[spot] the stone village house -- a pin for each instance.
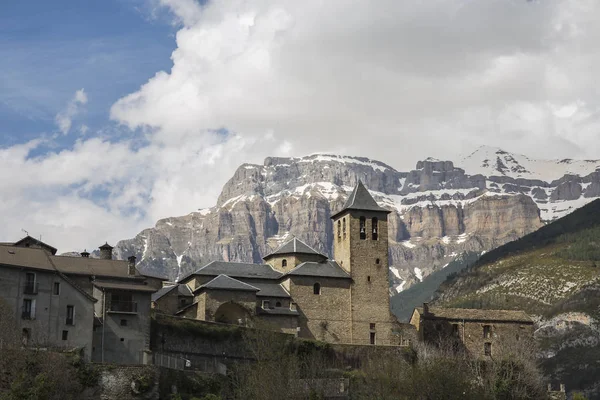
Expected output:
(101, 306)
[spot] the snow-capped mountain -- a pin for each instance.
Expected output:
(438, 209)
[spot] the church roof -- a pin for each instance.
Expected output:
(294, 246)
(361, 199)
(271, 290)
(329, 269)
(223, 282)
(236, 270)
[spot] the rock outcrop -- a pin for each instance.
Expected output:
(438, 210)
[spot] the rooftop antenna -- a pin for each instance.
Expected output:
(26, 233)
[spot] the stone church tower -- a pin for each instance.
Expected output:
(360, 247)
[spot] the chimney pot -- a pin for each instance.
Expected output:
(131, 265)
(106, 251)
(85, 254)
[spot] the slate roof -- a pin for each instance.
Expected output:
(271, 290)
(236, 270)
(29, 239)
(25, 257)
(184, 290)
(130, 286)
(468, 314)
(224, 282)
(294, 246)
(93, 266)
(162, 291)
(329, 269)
(361, 199)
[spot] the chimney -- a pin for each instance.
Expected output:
(425, 308)
(85, 254)
(131, 265)
(106, 251)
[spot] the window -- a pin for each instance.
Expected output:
(28, 309)
(70, 315)
(293, 307)
(56, 289)
(377, 261)
(372, 337)
(369, 278)
(25, 336)
(265, 304)
(487, 331)
(372, 326)
(122, 302)
(30, 286)
(374, 229)
(339, 230)
(65, 335)
(123, 322)
(182, 302)
(363, 228)
(278, 304)
(317, 288)
(487, 349)
(284, 263)
(455, 331)
(344, 227)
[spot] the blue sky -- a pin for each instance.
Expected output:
(50, 49)
(116, 113)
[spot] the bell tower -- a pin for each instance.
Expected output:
(360, 246)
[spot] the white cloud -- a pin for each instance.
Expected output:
(394, 80)
(64, 119)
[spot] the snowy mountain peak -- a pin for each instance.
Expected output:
(493, 161)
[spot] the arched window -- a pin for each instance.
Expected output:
(363, 228)
(339, 226)
(344, 227)
(374, 228)
(284, 263)
(317, 288)
(278, 304)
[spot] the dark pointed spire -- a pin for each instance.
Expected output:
(361, 199)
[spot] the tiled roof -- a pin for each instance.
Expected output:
(224, 282)
(236, 270)
(125, 286)
(329, 269)
(162, 291)
(361, 199)
(93, 266)
(475, 314)
(271, 290)
(294, 246)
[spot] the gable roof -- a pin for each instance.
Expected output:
(161, 292)
(223, 282)
(294, 246)
(236, 270)
(329, 269)
(469, 314)
(361, 199)
(182, 290)
(28, 240)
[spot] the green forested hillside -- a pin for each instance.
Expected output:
(553, 274)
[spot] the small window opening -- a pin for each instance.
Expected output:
(70, 315)
(293, 307)
(278, 304)
(369, 278)
(123, 322)
(487, 331)
(487, 349)
(317, 288)
(25, 336)
(122, 339)
(265, 304)
(374, 229)
(363, 229)
(284, 263)
(339, 229)
(372, 326)
(372, 337)
(377, 261)
(344, 227)
(65, 335)
(56, 289)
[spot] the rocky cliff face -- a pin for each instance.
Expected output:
(438, 210)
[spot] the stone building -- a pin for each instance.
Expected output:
(299, 290)
(482, 333)
(101, 306)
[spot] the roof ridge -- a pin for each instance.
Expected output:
(70, 282)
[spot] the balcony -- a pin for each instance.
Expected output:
(122, 307)
(30, 288)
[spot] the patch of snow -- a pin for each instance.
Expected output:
(408, 244)
(446, 240)
(400, 287)
(419, 273)
(343, 160)
(204, 211)
(395, 272)
(168, 223)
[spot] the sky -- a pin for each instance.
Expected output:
(115, 114)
